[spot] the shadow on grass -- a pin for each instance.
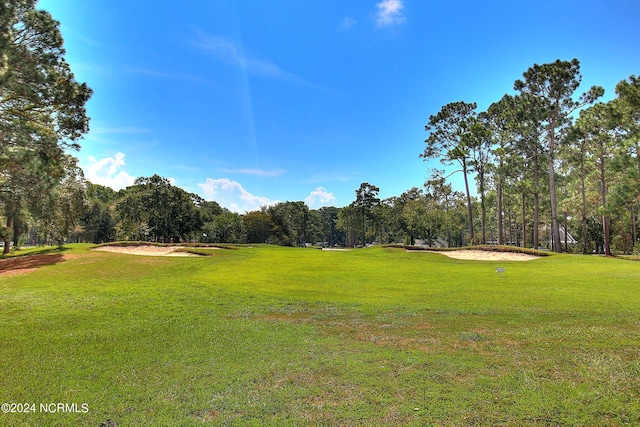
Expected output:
(37, 251)
(24, 263)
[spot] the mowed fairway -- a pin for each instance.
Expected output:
(286, 336)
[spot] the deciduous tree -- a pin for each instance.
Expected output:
(258, 225)
(66, 205)
(154, 209)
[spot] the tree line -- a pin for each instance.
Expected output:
(153, 209)
(549, 164)
(550, 158)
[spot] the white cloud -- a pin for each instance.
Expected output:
(105, 172)
(320, 197)
(231, 195)
(389, 13)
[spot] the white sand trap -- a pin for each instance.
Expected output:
(485, 255)
(148, 250)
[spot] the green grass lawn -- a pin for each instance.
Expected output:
(285, 336)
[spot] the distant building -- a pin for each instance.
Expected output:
(569, 237)
(435, 243)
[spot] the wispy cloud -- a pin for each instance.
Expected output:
(120, 130)
(188, 168)
(389, 13)
(324, 177)
(347, 22)
(232, 195)
(320, 197)
(69, 31)
(172, 76)
(232, 52)
(256, 172)
(106, 172)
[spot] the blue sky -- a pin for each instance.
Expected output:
(254, 102)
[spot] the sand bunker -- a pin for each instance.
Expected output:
(486, 255)
(148, 250)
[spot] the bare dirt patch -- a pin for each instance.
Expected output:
(485, 255)
(147, 250)
(29, 263)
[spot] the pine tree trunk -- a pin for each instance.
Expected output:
(536, 203)
(500, 216)
(7, 237)
(511, 228)
(566, 233)
(363, 226)
(555, 226)
(524, 224)
(605, 217)
(536, 220)
(585, 240)
(634, 227)
(470, 210)
(484, 213)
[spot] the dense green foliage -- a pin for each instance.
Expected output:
(451, 139)
(592, 164)
(42, 114)
(286, 336)
(154, 210)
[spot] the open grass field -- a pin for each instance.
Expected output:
(285, 336)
